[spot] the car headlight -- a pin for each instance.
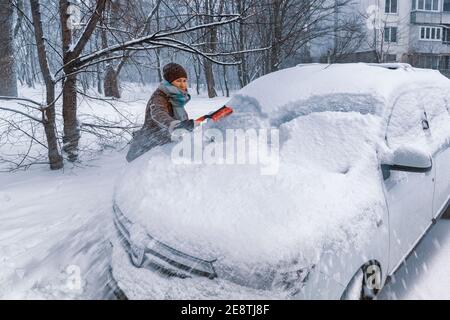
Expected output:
(292, 281)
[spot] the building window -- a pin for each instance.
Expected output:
(431, 33)
(446, 35)
(390, 34)
(446, 5)
(391, 6)
(444, 63)
(426, 5)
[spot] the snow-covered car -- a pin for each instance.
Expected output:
(363, 173)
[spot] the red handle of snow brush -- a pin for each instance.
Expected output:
(201, 119)
(223, 112)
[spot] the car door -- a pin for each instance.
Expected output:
(409, 195)
(437, 106)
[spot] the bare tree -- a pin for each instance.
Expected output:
(48, 112)
(8, 77)
(72, 50)
(210, 46)
(224, 43)
(121, 15)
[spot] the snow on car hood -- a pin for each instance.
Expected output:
(326, 194)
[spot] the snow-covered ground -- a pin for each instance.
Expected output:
(425, 273)
(54, 227)
(53, 222)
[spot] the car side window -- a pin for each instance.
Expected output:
(408, 122)
(437, 108)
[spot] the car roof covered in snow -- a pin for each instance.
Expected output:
(366, 88)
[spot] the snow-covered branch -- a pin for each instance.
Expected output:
(89, 29)
(20, 99)
(153, 38)
(21, 113)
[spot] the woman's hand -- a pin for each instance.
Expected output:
(186, 125)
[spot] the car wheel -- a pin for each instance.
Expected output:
(364, 284)
(113, 286)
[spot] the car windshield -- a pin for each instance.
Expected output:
(248, 107)
(330, 132)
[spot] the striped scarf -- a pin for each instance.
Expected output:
(178, 99)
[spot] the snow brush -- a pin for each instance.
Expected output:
(217, 115)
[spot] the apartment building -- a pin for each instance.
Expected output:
(411, 31)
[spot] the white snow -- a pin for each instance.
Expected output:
(327, 193)
(54, 224)
(146, 284)
(130, 110)
(320, 144)
(288, 89)
(424, 276)
(51, 221)
(328, 154)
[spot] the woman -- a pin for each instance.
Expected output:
(165, 112)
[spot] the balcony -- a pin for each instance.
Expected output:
(430, 17)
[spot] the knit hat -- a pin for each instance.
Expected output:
(174, 71)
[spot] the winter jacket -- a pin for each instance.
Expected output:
(159, 124)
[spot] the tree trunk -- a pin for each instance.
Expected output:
(71, 130)
(48, 115)
(97, 66)
(158, 51)
(209, 76)
(197, 70)
(71, 52)
(225, 80)
(242, 67)
(210, 46)
(99, 80)
(158, 65)
(276, 36)
(111, 82)
(8, 77)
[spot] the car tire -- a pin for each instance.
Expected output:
(113, 286)
(358, 289)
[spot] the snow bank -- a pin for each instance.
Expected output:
(54, 231)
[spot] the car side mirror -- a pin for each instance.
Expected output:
(409, 159)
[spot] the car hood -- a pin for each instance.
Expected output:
(326, 193)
